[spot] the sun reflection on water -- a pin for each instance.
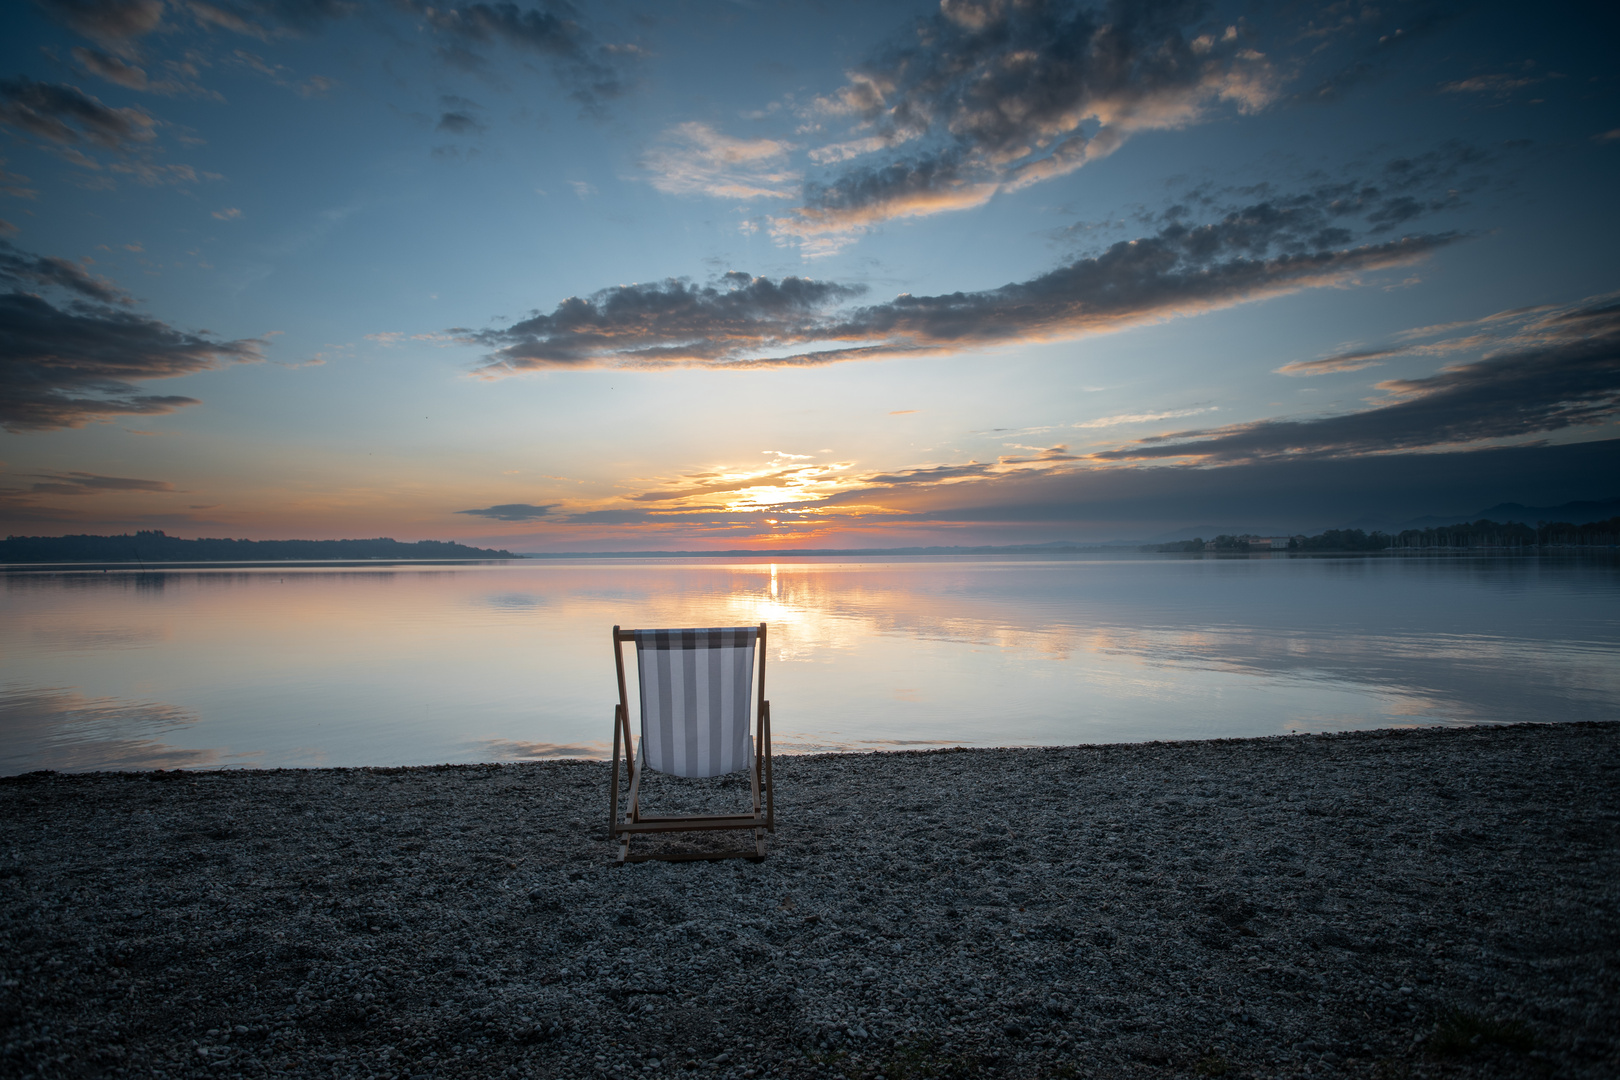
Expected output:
(402, 665)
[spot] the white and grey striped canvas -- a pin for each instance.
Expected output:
(695, 686)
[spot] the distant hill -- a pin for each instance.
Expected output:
(1573, 513)
(1190, 531)
(154, 546)
(1576, 513)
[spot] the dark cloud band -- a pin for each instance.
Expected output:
(107, 20)
(746, 322)
(67, 115)
(554, 29)
(988, 95)
(19, 268)
(61, 367)
(1562, 371)
(513, 511)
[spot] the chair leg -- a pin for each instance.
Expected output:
(770, 781)
(613, 782)
(635, 785)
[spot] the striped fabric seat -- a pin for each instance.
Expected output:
(695, 690)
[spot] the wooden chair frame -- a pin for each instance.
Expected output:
(761, 820)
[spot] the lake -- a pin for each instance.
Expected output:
(360, 664)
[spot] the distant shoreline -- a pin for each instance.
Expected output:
(155, 546)
(156, 565)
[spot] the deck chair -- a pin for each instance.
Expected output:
(695, 689)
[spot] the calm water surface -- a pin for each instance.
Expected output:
(390, 665)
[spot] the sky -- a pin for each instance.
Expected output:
(720, 275)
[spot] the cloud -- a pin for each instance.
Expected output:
(993, 96)
(592, 70)
(664, 323)
(83, 483)
(785, 484)
(727, 482)
(1501, 85)
(148, 173)
(61, 367)
(113, 21)
(18, 268)
(1043, 456)
(747, 322)
(1346, 361)
(228, 213)
(553, 30)
(460, 116)
(867, 197)
(133, 77)
(611, 517)
(1281, 243)
(1556, 371)
(266, 20)
(513, 511)
(1375, 35)
(928, 474)
(460, 123)
(1141, 418)
(68, 116)
(1545, 369)
(694, 159)
(1306, 494)
(111, 68)
(12, 184)
(221, 17)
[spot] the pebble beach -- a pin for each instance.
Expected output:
(1401, 903)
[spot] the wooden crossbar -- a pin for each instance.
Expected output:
(646, 825)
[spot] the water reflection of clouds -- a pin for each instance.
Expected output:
(518, 750)
(833, 742)
(364, 665)
(1428, 673)
(78, 637)
(64, 730)
(1471, 678)
(514, 601)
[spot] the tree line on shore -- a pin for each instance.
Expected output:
(154, 546)
(1483, 533)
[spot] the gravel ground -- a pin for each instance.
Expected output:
(1378, 904)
